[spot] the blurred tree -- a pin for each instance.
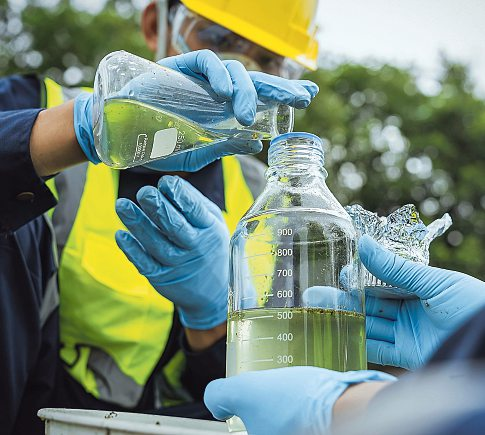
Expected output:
(66, 39)
(389, 141)
(388, 144)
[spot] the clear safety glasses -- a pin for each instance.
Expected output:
(192, 32)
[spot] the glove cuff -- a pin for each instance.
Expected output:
(335, 389)
(83, 125)
(203, 319)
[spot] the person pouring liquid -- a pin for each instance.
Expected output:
(123, 344)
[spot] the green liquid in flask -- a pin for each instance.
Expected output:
(135, 133)
(129, 129)
(261, 339)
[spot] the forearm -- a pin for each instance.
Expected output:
(199, 340)
(53, 144)
(356, 399)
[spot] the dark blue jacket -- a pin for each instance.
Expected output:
(23, 194)
(26, 262)
(30, 372)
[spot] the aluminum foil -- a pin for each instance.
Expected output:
(403, 233)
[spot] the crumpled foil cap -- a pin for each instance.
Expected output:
(402, 232)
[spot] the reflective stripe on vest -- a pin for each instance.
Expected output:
(114, 325)
(50, 300)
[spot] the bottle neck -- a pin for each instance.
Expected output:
(296, 157)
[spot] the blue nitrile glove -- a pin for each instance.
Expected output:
(406, 333)
(230, 80)
(83, 125)
(180, 242)
(286, 401)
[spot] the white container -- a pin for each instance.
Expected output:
(59, 421)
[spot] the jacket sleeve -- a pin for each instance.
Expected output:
(467, 343)
(23, 194)
(203, 367)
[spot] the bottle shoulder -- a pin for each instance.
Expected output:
(312, 196)
(320, 224)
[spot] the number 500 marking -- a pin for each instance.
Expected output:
(284, 315)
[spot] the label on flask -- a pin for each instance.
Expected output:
(164, 142)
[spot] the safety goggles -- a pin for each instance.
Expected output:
(191, 32)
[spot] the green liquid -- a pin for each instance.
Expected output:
(260, 339)
(129, 129)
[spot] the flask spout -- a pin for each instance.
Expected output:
(284, 120)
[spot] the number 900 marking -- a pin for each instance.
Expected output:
(285, 231)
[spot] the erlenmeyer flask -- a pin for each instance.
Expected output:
(144, 111)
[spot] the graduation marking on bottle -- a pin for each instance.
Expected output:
(141, 146)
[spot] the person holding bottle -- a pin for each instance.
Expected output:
(124, 345)
(402, 333)
(166, 349)
(443, 324)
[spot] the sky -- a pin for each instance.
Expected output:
(406, 33)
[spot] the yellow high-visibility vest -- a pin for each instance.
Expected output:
(114, 326)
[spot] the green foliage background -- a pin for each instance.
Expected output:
(387, 143)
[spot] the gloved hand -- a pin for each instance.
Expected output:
(230, 80)
(406, 333)
(286, 401)
(180, 242)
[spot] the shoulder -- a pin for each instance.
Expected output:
(20, 92)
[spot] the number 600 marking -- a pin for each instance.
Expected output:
(284, 294)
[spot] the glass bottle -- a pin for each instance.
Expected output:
(144, 111)
(295, 292)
